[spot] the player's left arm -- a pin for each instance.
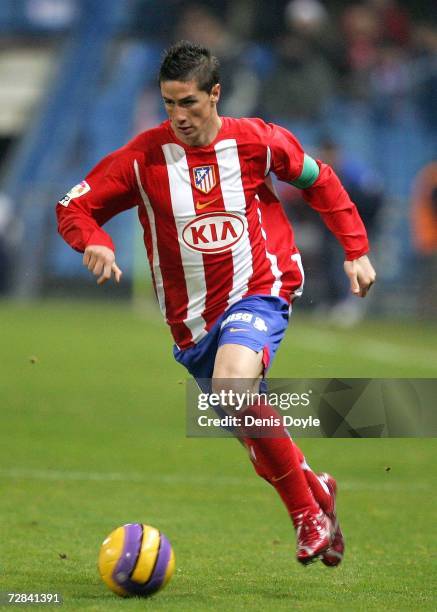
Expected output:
(322, 189)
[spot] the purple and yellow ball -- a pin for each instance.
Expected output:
(136, 560)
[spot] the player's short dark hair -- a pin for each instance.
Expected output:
(186, 61)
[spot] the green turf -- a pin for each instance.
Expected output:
(92, 436)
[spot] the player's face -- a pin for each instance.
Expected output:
(192, 112)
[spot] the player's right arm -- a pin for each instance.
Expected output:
(107, 190)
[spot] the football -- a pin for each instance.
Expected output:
(136, 560)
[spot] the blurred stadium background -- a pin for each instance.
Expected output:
(91, 398)
(356, 82)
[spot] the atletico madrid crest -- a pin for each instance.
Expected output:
(204, 178)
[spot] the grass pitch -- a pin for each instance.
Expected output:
(93, 436)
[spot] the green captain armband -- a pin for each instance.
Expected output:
(309, 174)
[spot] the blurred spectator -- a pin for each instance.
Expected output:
(156, 19)
(424, 80)
(424, 237)
(362, 32)
(308, 64)
(310, 19)
(378, 33)
(203, 26)
(306, 15)
(389, 83)
(300, 85)
(394, 22)
(269, 22)
(424, 211)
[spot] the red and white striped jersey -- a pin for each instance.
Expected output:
(214, 230)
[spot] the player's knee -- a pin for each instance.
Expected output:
(233, 382)
(229, 369)
(238, 369)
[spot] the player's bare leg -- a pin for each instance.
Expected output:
(274, 458)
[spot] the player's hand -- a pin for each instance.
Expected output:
(361, 275)
(101, 262)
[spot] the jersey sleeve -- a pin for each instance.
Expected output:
(329, 198)
(107, 190)
(285, 155)
(323, 191)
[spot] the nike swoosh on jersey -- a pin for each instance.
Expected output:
(200, 205)
(235, 329)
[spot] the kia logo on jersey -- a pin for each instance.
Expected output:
(213, 232)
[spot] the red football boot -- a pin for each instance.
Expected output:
(313, 531)
(333, 555)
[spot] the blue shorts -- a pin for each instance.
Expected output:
(258, 322)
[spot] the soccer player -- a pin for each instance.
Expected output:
(224, 264)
